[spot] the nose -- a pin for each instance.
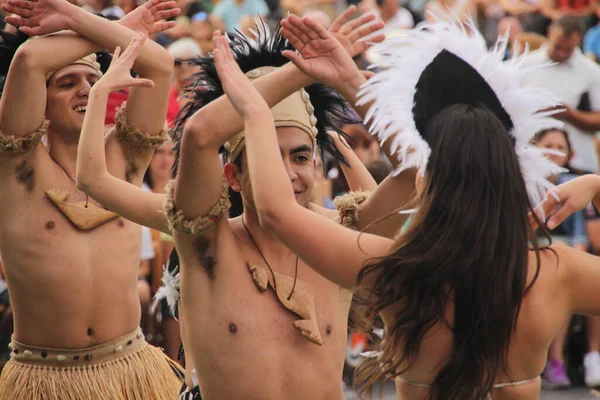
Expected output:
(290, 171)
(84, 90)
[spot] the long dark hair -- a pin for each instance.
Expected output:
(468, 246)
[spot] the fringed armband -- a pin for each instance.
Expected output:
(348, 205)
(176, 221)
(133, 138)
(11, 144)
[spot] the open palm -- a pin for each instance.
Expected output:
(38, 17)
(151, 17)
(322, 56)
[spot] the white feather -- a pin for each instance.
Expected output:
(168, 291)
(403, 59)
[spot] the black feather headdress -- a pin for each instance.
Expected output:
(331, 111)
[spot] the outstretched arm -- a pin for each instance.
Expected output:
(93, 177)
(339, 258)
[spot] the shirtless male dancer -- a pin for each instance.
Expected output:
(146, 208)
(240, 339)
(71, 265)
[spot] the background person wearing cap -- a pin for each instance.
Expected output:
(71, 265)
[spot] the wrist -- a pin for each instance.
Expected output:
(257, 115)
(100, 91)
(73, 14)
(349, 88)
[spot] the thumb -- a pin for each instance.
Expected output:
(296, 59)
(560, 216)
(139, 82)
(368, 74)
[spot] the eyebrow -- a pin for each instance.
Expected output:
(74, 75)
(301, 149)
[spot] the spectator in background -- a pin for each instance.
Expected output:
(145, 276)
(202, 30)
(591, 41)
(528, 12)
(554, 10)
(319, 16)
(572, 77)
(394, 15)
(107, 8)
(156, 178)
(232, 12)
(183, 51)
(512, 27)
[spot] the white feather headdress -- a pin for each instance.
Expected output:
(403, 60)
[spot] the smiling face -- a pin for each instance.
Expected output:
(297, 150)
(67, 98)
(556, 140)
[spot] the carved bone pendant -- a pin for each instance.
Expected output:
(301, 303)
(84, 218)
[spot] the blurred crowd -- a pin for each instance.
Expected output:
(565, 32)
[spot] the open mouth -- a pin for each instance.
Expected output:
(81, 109)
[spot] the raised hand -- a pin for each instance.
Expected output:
(322, 57)
(350, 34)
(571, 197)
(238, 88)
(118, 76)
(38, 17)
(150, 17)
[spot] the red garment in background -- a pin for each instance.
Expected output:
(117, 98)
(572, 4)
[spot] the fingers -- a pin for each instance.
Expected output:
(293, 24)
(116, 55)
(19, 12)
(293, 39)
(365, 30)
(355, 23)
(163, 26)
(296, 59)
(313, 29)
(368, 74)
(26, 5)
(163, 5)
(342, 19)
(562, 214)
(134, 48)
(160, 15)
(363, 45)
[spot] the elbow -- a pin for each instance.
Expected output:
(25, 57)
(166, 64)
(197, 135)
(83, 183)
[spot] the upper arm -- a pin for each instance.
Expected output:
(395, 193)
(23, 103)
(340, 257)
(583, 272)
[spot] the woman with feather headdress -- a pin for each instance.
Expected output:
(469, 300)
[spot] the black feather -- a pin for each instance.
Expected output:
(331, 110)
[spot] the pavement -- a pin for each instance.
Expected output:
(571, 394)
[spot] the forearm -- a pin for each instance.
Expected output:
(218, 122)
(585, 120)
(153, 60)
(356, 173)
(266, 167)
(91, 157)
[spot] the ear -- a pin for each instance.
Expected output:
(232, 173)
(419, 183)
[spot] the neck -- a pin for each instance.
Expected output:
(63, 153)
(270, 246)
(159, 185)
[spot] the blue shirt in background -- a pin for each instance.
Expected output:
(232, 13)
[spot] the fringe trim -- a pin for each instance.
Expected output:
(22, 145)
(133, 138)
(145, 375)
(347, 206)
(176, 221)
